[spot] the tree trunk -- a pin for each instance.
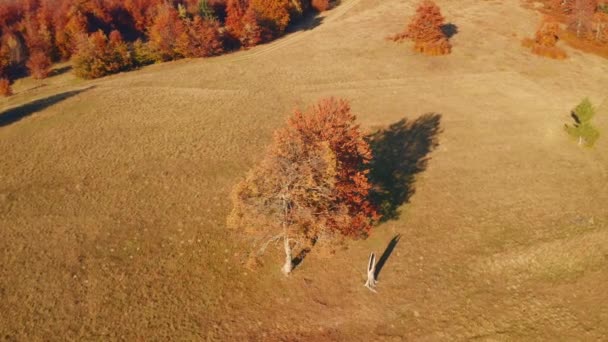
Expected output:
(288, 257)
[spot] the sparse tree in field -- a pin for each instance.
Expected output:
(5, 87)
(546, 38)
(311, 186)
(582, 129)
(425, 30)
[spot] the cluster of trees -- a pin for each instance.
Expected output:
(588, 19)
(108, 36)
(311, 187)
(426, 31)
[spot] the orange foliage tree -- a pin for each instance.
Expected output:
(425, 30)
(39, 64)
(164, 32)
(311, 186)
(200, 38)
(5, 87)
(98, 56)
(545, 40)
(320, 5)
(273, 16)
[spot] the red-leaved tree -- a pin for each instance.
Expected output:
(425, 30)
(581, 16)
(164, 32)
(39, 64)
(5, 87)
(546, 38)
(311, 185)
(201, 38)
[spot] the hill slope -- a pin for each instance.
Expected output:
(114, 193)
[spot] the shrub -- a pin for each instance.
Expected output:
(5, 87)
(545, 40)
(39, 65)
(582, 130)
(320, 5)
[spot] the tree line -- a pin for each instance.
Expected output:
(108, 36)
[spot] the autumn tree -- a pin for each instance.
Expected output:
(320, 5)
(5, 87)
(311, 186)
(582, 129)
(164, 32)
(39, 64)
(545, 40)
(273, 16)
(425, 30)
(200, 38)
(98, 56)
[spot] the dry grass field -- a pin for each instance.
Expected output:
(114, 192)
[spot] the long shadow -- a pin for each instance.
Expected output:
(17, 113)
(399, 153)
(387, 253)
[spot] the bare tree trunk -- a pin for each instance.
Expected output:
(288, 266)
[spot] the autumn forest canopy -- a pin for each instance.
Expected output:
(108, 36)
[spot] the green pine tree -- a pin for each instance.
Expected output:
(582, 129)
(205, 10)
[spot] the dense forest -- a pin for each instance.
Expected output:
(108, 36)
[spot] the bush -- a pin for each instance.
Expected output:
(582, 130)
(5, 87)
(39, 65)
(545, 41)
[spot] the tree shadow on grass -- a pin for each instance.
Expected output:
(449, 30)
(387, 253)
(399, 153)
(15, 114)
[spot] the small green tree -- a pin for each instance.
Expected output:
(582, 129)
(205, 10)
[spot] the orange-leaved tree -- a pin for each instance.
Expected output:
(273, 16)
(546, 38)
(5, 87)
(164, 32)
(39, 64)
(425, 30)
(200, 38)
(311, 186)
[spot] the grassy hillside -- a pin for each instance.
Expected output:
(114, 192)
